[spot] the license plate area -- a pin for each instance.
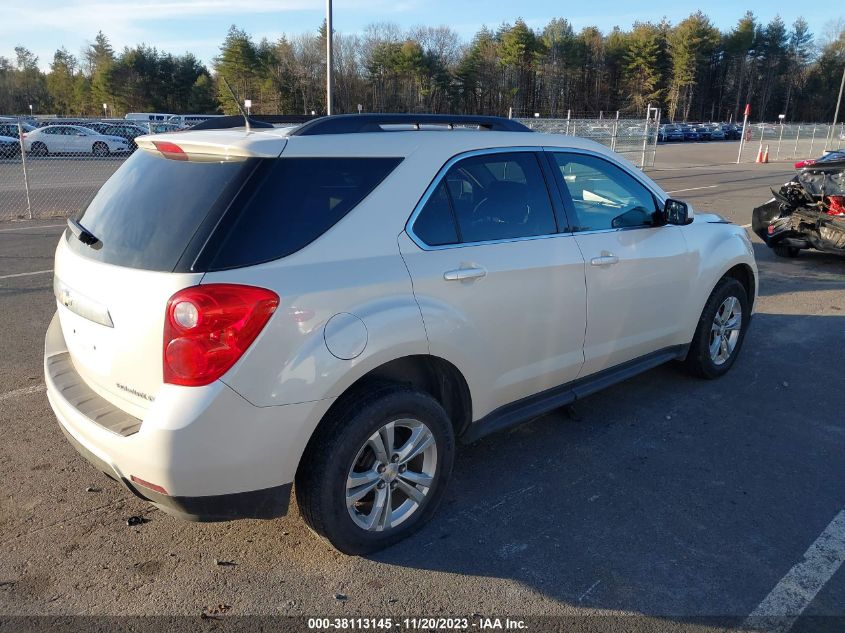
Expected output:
(89, 343)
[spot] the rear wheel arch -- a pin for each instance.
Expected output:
(432, 375)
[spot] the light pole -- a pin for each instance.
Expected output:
(30, 109)
(328, 57)
(105, 110)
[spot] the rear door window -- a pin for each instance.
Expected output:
(436, 223)
(289, 203)
(496, 196)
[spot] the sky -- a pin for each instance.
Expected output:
(199, 26)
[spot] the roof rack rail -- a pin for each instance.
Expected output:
(358, 123)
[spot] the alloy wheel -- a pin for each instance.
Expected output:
(392, 475)
(725, 329)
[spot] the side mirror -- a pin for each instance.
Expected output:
(677, 212)
(80, 133)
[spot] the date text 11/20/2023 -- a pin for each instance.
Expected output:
(421, 623)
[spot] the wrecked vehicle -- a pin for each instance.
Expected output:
(806, 212)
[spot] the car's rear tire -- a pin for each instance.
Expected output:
(721, 330)
(783, 250)
(39, 149)
(368, 464)
(100, 149)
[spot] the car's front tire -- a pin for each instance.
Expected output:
(721, 330)
(100, 149)
(376, 469)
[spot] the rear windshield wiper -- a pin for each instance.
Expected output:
(82, 234)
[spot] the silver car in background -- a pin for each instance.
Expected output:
(72, 139)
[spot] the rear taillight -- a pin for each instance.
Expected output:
(208, 328)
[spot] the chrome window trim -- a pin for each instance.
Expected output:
(441, 173)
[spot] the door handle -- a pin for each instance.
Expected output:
(459, 274)
(606, 259)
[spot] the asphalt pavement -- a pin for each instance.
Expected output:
(657, 501)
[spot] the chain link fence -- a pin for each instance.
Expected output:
(636, 139)
(53, 168)
(793, 141)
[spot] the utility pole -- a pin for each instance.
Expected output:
(836, 112)
(328, 57)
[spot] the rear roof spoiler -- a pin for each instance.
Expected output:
(358, 123)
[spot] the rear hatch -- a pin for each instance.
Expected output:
(131, 249)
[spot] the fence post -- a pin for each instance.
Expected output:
(795, 149)
(780, 138)
(812, 142)
(23, 165)
(568, 115)
(645, 136)
(615, 132)
(656, 134)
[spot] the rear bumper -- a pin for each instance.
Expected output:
(268, 503)
(217, 456)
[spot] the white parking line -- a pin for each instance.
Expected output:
(746, 226)
(779, 610)
(27, 228)
(37, 272)
(693, 189)
(25, 391)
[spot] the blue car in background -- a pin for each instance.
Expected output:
(690, 133)
(670, 133)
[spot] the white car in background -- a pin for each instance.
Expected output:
(72, 139)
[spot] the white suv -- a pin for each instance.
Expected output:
(335, 304)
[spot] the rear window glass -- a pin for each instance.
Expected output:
(149, 210)
(290, 202)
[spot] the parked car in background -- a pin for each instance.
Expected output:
(72, 139)
(10, 129)
(806, 212)
(68, 121)
(98, 126)
(732, 131)
(704, 132)
(838, 154)
(128, 132)
(716, 133)
(160, 117)
(189, 120)
(670, 132)
(690, 133)
(160, 128)
(9, 147)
